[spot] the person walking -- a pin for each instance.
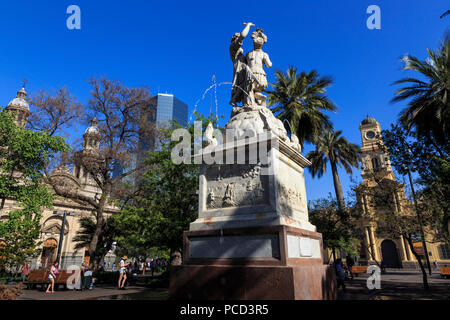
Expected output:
(435, 264)
(383, 266)
(25, 270)
(122, 272)
(52, 276)
(340, 274)
(350, 263)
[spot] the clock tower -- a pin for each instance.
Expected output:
(375, 160)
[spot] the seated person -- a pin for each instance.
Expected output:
(89, 280)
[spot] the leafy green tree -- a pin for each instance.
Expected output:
(23, 155)
(428, 111)
(337, 233)
(301, 99)
(167, 201)
(333, 148)
(411, 154)
(122, 114)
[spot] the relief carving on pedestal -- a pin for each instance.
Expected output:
(290, 197)
(235, 186)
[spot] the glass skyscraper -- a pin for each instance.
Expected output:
(168, 108)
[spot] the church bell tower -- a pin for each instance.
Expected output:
(375, 160)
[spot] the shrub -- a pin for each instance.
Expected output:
(11, 293)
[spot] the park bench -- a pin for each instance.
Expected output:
(359, 269)
(445, 272)
(36, 277)
(40, 277)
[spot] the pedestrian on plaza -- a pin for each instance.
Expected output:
(25, 270)
(340, 274)
(350, 263)
(89, 276)
(435, 264)
(83, 267)
(114, 266)
(52, 276)
(123, 266)
(383, 266)
(153, 264)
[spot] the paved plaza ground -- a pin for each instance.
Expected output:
(99, 293)
(396, 284)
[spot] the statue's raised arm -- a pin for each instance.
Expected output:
(236, 41)
(241, 73)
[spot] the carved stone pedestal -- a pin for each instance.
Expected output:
(275, 263)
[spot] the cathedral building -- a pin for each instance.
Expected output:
(377, 244)
(52, 219)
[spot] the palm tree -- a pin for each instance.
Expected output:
(331, 147)
(301, 99)
(428, 111)
(84, 236)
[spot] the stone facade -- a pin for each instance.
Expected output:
(376, 244)
(51, 221)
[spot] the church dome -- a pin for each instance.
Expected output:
(93, 128)
(369, 120)
(19, 102)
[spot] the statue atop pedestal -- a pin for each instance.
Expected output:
(249, 77)
(250, 116)
(253, 219)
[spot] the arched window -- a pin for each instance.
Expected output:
(375, 164)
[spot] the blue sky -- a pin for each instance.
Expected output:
(177, 46)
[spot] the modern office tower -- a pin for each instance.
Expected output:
(168, 108)
(161, 110)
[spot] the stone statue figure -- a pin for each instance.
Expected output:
(249, 77)
(251, 117)
(255, 60)
(241, 71)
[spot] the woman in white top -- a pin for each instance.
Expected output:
(52, 277)
(123, 272)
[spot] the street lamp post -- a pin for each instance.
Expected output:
(61, 235)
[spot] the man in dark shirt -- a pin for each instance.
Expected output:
(350, 263)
